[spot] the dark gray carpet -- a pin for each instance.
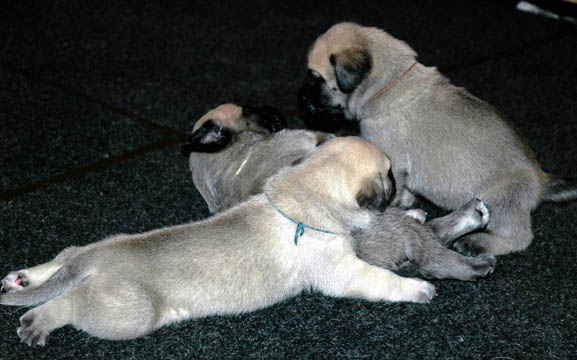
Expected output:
(94, 97)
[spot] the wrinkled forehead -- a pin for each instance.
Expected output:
(334, 41)
(318, 58)
(226, 115)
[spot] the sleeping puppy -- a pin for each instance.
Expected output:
(226, 177)
(295, 236)
(445, 144)
(394, 240)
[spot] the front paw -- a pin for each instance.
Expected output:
(418, 214)
(13, 282)
(483, 266)
(417, 291)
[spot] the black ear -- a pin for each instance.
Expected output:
(209, 138)
(351, 67)
(268, 117)
(377, 194)
(271, 118)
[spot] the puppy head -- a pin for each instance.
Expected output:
(216, 129)
(344, 61)
(377, 194)
(365, 171)
(338, 61)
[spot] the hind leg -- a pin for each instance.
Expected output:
(113, 309)
(34, 276)
(501, 238)
(38, 323)
(509, 229)
(470, 217)
(28, 278)
(110, 311)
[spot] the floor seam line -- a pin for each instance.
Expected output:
(81, 171)
(112, 108)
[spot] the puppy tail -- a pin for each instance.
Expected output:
(559, 190)
(63, 279)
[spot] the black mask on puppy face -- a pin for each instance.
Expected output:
(318, 116)
(209, 138)
(378, 194)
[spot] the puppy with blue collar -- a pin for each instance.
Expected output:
(240, 260)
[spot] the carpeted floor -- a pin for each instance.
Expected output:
(95, 96)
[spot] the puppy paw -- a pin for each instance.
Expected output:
(483, 266)
(470, 247)
(483, 211)
(476, 214)
(417, 291)
(418, 214)
(13, 282)
(31, 330)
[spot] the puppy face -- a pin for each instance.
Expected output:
(373, 183)
(216, 129)
(349, 63)
(367, 171)
(377, 194)
(338, 62)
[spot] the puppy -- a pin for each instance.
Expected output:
(445, 144)
(231, 154)
(394, 240)
(246, 258)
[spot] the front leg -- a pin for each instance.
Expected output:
(352, 277)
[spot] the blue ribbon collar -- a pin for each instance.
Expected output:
(300, 226)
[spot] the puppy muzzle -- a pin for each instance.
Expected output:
(318, 115)
(308, 99)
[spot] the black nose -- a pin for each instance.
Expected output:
(317, 116)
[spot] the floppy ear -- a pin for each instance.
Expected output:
(351, 67)
(268, 117)
(209, 138)
(377, 194)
